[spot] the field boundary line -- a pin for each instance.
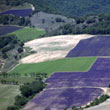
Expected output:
(77, 87)
(14, 67)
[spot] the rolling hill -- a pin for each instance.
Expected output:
(80, 7)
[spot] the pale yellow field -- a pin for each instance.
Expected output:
(50, 48)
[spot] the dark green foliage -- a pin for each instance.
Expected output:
(28, 91)
(74, 108)
(10, 51)
(20, 50)
(80, 7)
(20, 101)
(66, 7)
(14, 2)
(91, 24)
(8, 43)
(59, 20)
(40, 5)
(13, 108)
(97, 101)
(14, 20)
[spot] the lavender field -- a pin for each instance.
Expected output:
(97, 76)
(97, 46)
(59, 99)
(21, 12)
(67, 89)
(8, 29)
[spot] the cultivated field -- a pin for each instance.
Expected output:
(27, 33)
(7, 95)
(59, 99)
(52, 47)
(97, 46)
(19, 12)
(68, 64)
(8, 29)
(66, 89)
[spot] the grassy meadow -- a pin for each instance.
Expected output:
(24, 6)
(7, 95)
(27, 33)
(61, 65)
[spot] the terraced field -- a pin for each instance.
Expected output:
(7, 95)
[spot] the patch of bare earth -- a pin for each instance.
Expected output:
(50, 48)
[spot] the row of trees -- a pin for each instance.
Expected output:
(90, 24)
(16, 75)
(11, 82)
(97, 101)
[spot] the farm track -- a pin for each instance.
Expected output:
(78, 87)
(14, 67)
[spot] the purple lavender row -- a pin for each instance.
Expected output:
(79, 83)
(60, 99)
(96, 46)
(21, 12)
(98, 76)
(102, 64)
(8, 29)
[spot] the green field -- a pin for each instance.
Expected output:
(61, 65)
(27, 33)
(24, 6)
(7, 95)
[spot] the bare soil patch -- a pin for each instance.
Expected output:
(51, 48)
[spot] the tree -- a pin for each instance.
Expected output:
(26, 90)
(13, 108)
(74, 108)
(20, 101)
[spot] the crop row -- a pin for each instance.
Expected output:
(97, 76)
(67, 89)
(8, 29)
(59, 99)
(96, 46)
(21, 12)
